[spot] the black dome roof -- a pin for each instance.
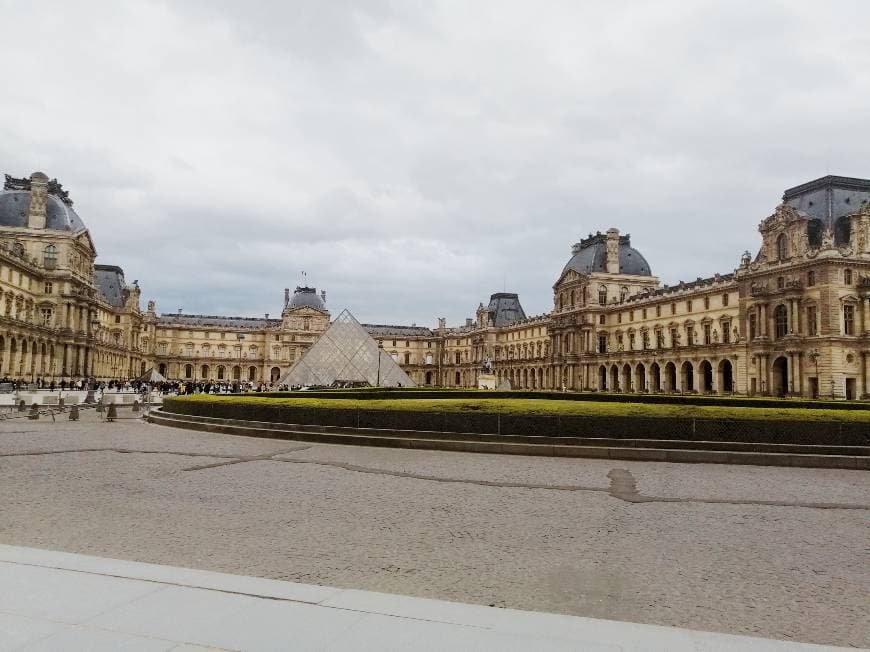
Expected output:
(60, 216)
(305, 297)
(590, 255)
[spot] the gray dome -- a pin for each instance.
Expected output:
(304, 297)
(590, 255)
(60, 216)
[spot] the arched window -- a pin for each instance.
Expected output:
(623, 293)
(237, 373)
(49, 257)
(602, 295)
(220, 374)
(188, 371)
(780, 321)
(782, 246)
(252, 374)
(572, 298)
(203, 372)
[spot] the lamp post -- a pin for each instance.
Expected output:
(380, 350)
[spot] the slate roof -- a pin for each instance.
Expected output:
(506, 308)
(829, 198)
(305, 297)
(174, 319)
(384, 330)
(591, 256)
(59, 216)
(110, 282)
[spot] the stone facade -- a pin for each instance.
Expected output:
(792, 320)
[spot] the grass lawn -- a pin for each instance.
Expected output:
(526, 406)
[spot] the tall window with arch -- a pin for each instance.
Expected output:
(782, 246)
(780, 321)
(847, 276)
(49, 257)
(602, 295)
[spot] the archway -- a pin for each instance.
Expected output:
(687, 377)
(779, 377)
(640, 378)
(602, 378)
(237, 373)
(458, 380)
(275, 374)
(252, 374)
(428, 377)
(655, 377)
(220, 372)
(726, 377)
(614, 378)
(203, 372)
(188, 371)
(161, 369)
(705, 377)
(626, 378)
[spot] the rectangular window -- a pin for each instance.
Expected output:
(689, 306)
(644, 313)
(849, 320)
(46, 316)
(725, 299)
(811, 278)
(690, 335)
(117, 319)
(658, 311)
(812, 327)
(49, 288)
(673, 309)
(708, 338)
(753, 326)
(726, 331)
(675, 338)
(706, 303)
(631, 341)
(602, 343)
(631, 315)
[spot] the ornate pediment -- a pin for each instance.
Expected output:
(782, 216)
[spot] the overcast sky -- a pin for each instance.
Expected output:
(414, 157)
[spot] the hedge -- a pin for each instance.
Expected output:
(626, 427)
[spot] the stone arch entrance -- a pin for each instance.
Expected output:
(670, 377)
(705, 376)
(625, 381)
(640, 378)
(614, 378)
(275, 374)
(655, 377)
(428, 377)
(779, 377)
(726, 377)
(602, 378)
(687, 377)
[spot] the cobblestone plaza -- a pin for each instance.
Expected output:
(773, 552)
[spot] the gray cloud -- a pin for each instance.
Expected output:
(412, 160)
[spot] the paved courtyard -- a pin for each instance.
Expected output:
(765, 551)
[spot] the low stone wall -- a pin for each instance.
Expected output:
(686, 429)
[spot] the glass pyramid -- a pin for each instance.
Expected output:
(346, 353)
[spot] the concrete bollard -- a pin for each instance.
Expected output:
(74, 413)
(34, 412)
(112, 414)
(135, 406)
(22, 406)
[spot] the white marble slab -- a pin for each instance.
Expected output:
(61, 601)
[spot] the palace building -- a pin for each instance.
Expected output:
(792, 320)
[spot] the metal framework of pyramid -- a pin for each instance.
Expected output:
(346, 353)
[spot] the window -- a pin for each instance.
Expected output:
(631, 341)
(811, 278)
(782, 247)
(602, 295)
(407, 344)
(690, 335)
(706, 303)
(725, 298)
(458, 357)
(49, 257)
(46, 316)
(407, 358)
(645, 336)
(812, 323)
(780, 321)
(658, 311)
(689, 305)
(162, 348)
(675, 338)
(623, 293)
(753, 326)
(394, 342)
(726, 331)
(673, 309)
(619, 318)
(572, 298)
(117, 319)
(849, 319)
(49, 288)
(847, 276)
(601, 319)
(780, 282)
(602, 343)
(708, 336)
(188, 371)
(644, 313)
(631, 315)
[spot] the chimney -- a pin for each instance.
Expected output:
(612, 259)
(468, 322)
(442, 322)
(36, 211)
(267, 315)
(323, 296)
(286, 296)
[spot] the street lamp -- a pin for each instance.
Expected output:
(380, 350)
